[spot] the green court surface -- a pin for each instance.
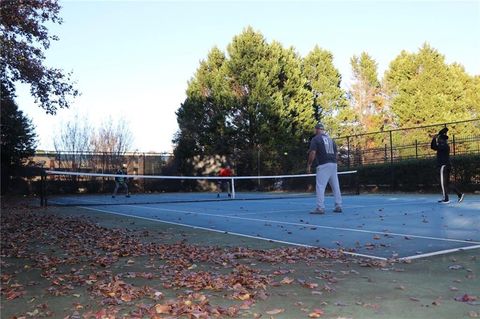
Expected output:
(294, 285)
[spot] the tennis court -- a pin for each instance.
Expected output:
(376, 226)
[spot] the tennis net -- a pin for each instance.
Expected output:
(79, 189)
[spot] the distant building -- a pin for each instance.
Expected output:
(137, 163)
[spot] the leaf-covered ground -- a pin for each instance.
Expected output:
(72, 263)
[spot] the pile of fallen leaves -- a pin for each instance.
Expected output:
(75, 252)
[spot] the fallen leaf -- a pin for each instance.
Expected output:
(275, 311)
(310, 285)
(316, 313)
(466, 298)
(287, 281)
(455, 267)
(165, 309)
(243, 296)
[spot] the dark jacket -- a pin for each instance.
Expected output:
(443, 151)
(120, 179)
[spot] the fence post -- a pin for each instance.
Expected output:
(391, 162)
(453, 144)
(386, 156)
(143, 173)
(43, 189)
(416, 149)
(348, 152)
(258, 165)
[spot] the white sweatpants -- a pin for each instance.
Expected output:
(327, 173)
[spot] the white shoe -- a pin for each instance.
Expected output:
(460, 198)
(318, 211)
(338, 209)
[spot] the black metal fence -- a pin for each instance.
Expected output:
(382, 153)
(383, 147)
(103, 162)
(405, 144)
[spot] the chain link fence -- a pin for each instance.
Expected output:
(103, 162)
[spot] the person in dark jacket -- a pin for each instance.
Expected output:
(121, 181)
(440, 144)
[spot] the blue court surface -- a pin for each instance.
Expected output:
(375, 226)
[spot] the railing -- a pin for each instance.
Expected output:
(147, 163)
(407, 143)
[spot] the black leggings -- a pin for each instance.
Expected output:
(445, 182)
(223, 185)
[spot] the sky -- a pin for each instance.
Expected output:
(133, 59)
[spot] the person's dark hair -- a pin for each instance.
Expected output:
(442, 134)
(443, 137)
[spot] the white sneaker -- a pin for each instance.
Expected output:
(460, 198)
(338, 209)
(318, 211)
(444, 201)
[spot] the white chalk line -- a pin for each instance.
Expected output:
(226, 232)
(418, 256)
(305, 225)
(439, 252)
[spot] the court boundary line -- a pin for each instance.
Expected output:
(439, 252)
(374, 214)
(233, 233)
(307, 225)
(93, 202)
(416, 202)
(436, 253)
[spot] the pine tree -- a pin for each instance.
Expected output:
(324, 82)
(423, 89)
(17, 139)
(250, 105)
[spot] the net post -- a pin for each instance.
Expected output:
(357, 182)
(348, 152)
(391, 162)
(43, 181)
(233, 187)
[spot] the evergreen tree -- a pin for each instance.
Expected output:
(17, 139)
(202, 118)
(423, 89)
(251, 104)
(324, 82)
